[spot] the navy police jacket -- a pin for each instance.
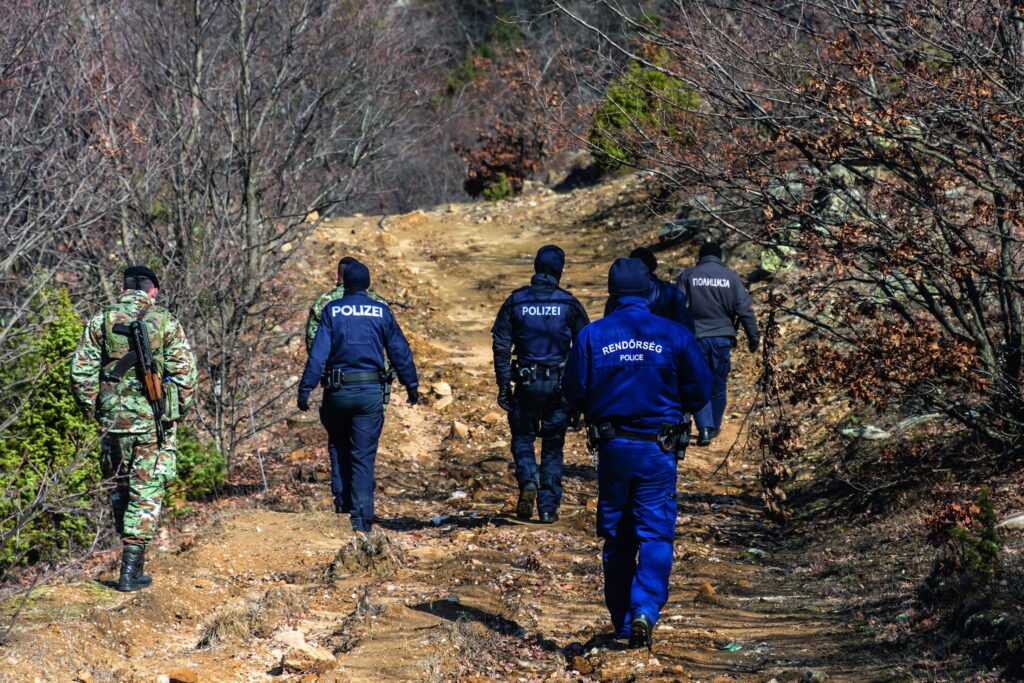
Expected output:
(538, 324)
(354, 333)
(636, 369)
(664, 300)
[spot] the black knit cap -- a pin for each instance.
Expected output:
(647, 256)
(710, 249)
(550, 260)
(134, 272)
(356, 277)
(629, 277)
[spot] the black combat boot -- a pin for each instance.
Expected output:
(640, 633)
(133, 559)
(549, 517)
(527, 499)
(704, 436)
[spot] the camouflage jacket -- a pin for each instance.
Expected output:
(313, 320)
(121, 406)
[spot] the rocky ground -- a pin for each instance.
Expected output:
(271, 586)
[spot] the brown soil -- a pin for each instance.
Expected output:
(461, 591)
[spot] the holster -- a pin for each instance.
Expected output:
(388, 378)
(683, 437)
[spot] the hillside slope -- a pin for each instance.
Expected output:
(464, 591)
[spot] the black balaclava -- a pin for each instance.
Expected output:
(356, 277)
(629, 277)
(550, 261)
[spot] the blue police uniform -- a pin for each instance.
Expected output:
(635, 371)
(354, 333)
(664, 300)
(537, 324)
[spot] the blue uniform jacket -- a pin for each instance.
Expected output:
(354, 333)
(665, 300)
(636, 369)
(538, 324)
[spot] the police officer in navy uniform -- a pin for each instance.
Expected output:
(348, 350)
(664, 298)
(537, 324)
(634, 375)
(718, 301)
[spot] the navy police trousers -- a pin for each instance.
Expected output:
(353, 417)
(718, 353)
(538, 409)
(636, 515)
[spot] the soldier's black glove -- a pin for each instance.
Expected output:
(575, 421)
(303, 404)
(505, 398)
(414, 395)
(752, 344)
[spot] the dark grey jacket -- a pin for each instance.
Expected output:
(718, 300)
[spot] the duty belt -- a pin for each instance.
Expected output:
(334, 378)
(670, 436)
(524, 373)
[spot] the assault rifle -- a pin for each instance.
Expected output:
(148, 373)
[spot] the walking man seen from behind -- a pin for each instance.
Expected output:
(109, 380)
(312, 324)
(718, 301)
(348, 352)
(538, 324)
(634, 375)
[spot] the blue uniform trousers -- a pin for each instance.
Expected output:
(718, 353)
(636, 515)
(538, 409)
(354, 417)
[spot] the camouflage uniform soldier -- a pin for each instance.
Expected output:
(313, 320)
(137, 469)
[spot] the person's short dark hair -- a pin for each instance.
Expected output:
(710, 249)
(345, 260)
(647, 256)
(141, 278)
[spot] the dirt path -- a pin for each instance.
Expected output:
(465, 592)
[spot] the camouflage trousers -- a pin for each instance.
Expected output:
(136, 473)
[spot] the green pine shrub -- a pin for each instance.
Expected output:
(202, 468)
(501, 189)
(641, 98)
(49, 464)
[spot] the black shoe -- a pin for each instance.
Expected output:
(340, 509)
(133, 559)
(527, 499)
(548, 517)
(704, 436)
(640, 633)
